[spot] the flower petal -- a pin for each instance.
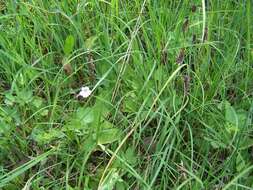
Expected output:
(85, 92)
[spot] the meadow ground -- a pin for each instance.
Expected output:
(170, 103)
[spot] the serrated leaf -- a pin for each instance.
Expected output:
(69, 44)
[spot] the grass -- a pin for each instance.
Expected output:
(171, 104)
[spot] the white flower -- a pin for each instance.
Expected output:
(85, 92)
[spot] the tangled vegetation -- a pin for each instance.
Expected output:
(140, 94)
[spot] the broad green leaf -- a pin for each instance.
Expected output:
(99, 109)
(24, 96)
(89, 144)
(108, 134)
(120, 185)
(73, 125)
(44, 137)
(80, 119)
(11, 114)
(130, 156)
(242, 117)
(69, 44)
(9, 99)
(232, 125)
(85, 115)
(230, 114)
(89, 43)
